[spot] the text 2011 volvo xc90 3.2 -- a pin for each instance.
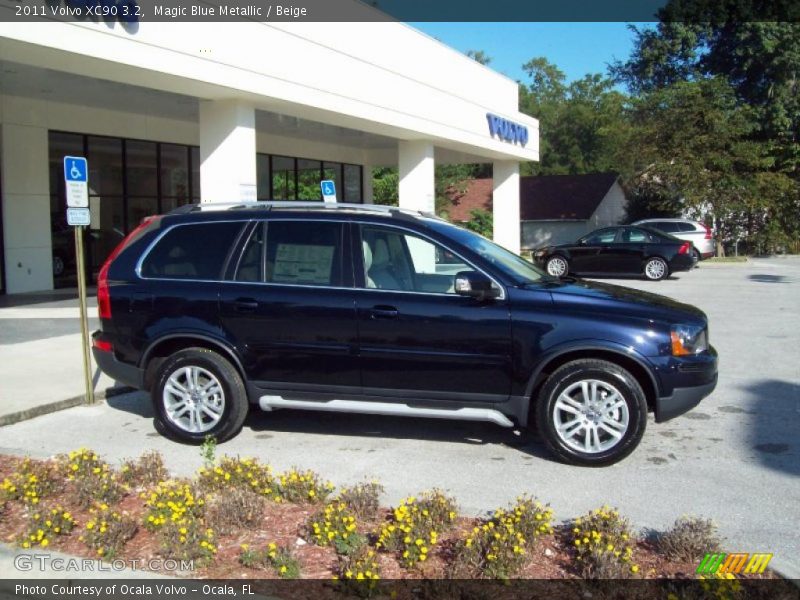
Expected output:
(384, 311)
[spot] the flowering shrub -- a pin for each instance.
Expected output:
(45, 524)
(603, 543)
(108, 531)
(497, 547)
(93, 478)
(362, 499)
(360, 572)
(145, 471)
(239, 473)
(31, 482)
(234, 509)
(412, 528)
(280, 558)
(335, 525)
(171, 502)
(187, 539)
(304, 486)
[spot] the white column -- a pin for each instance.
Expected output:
(505, 204)
(367, 194)
(26, 209)
(227, 151)
(417, 190)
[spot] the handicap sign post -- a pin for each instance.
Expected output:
(328, 188)
(76, 178)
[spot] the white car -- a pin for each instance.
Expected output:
(701, 235)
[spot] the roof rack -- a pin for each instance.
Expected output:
(273, 205)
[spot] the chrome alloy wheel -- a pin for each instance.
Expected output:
(557, 266)
(655, 269)
(591, 416)
(193, 399)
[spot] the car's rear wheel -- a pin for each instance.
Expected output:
(591, 413)
(656, 268)
(557, 266)
(198, 393)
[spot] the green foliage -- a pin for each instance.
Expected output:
(385, 186)
(208, 450)
(482, 222)
(479, 56)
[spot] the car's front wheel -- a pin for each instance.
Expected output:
(591, 412)
(656, 268)
(198, 393)
(557, 266)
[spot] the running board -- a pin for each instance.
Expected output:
(269, 403)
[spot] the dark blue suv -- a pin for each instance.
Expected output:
(370, 309)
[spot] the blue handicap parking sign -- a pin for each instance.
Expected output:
(328, 187)
(75, 168)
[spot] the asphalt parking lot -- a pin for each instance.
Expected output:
(735, 458)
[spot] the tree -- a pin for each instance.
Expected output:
(482, 222)
(479, 56)
(385, 185)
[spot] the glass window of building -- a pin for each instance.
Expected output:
(308, 177)
(283, 178)
(351, 191)
(263, 191)
(333, 171)
(194, 156)
(141, 168)
(175, 173)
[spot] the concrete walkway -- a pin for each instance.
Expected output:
(41, 367)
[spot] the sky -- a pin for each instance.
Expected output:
(575, 48)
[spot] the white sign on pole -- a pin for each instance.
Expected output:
(76, 177)
(328, 188)
(78, 216)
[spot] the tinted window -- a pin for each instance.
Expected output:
(195, 251)
(396, 260)
(686, 227)
(304, 253)
(631, 235)
(605, 236)
(665, 226)
(252, 259)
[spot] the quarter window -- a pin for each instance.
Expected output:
(195, 251)
(395, 260)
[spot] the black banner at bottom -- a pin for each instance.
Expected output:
(418, 589)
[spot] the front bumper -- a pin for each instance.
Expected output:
(118, 371)
(682, 400)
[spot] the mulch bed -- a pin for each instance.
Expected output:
(283, 523)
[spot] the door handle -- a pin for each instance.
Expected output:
(384, 312)
(245, 305)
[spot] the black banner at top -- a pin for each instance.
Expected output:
(714, 11)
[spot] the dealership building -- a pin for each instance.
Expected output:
(169, 113)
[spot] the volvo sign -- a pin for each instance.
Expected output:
(507, 130)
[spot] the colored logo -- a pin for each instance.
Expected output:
(507, 130)
(735, 564)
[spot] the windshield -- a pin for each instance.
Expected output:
(516, 267)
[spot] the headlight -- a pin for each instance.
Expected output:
(688, 340)
(540, 253)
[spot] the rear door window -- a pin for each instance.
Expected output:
(304, 253)
(686, 227)
(193, 251)
(665, 226)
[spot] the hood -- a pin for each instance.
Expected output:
(597, 296)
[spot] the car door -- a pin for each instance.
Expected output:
(587, 256)
(418, 339)
(289, 306)
(631, 250)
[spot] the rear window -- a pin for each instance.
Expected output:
(665, 226)
(194, 251)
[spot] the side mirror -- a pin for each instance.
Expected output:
(475, 285)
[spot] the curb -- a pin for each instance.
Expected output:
(51, 407)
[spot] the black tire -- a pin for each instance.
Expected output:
(235, 406)
(602, 371)
(696, 254)
(557, 258)
(647, 270)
